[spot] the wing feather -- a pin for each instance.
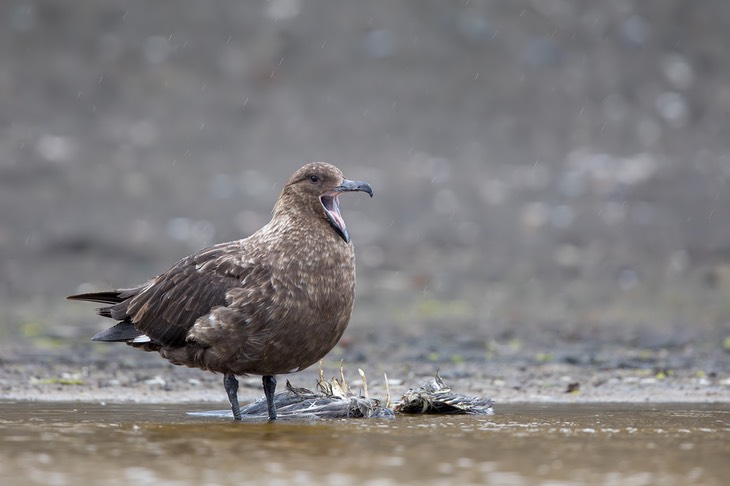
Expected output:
(168, 308)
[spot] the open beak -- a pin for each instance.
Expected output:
(331, 204)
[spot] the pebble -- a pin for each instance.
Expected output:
(156, 381)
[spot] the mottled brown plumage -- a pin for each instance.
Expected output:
(273, 303)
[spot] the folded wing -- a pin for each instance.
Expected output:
(165, 308)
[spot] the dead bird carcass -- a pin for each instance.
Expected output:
(435, 397)
(335, 399)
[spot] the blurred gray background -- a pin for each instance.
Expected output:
(547, 173)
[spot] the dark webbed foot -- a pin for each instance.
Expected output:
(231, 385)
(269, 391)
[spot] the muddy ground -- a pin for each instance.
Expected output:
(551, 184)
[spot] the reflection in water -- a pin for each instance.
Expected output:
(57, 444)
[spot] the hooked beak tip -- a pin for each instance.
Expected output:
(348, 185)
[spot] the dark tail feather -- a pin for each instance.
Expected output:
(108, 297)
(124, 331)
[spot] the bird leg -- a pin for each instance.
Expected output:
(231, 385)
(269, 391)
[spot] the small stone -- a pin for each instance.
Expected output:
(156, 381)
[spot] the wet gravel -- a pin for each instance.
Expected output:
(550, 180)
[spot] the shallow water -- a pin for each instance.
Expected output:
(626, 444)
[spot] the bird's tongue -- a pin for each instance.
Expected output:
(332, 206)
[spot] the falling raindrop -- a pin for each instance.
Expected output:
(436, 170)
(156, 49)
(23, 18)
(202, 233)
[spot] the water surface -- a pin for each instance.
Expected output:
(79, 443)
